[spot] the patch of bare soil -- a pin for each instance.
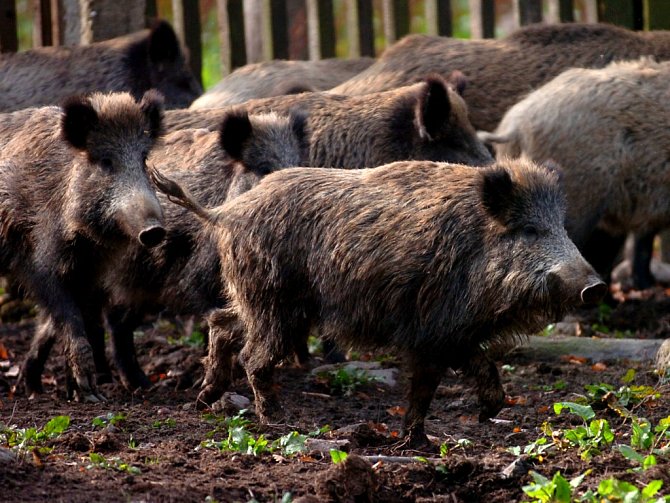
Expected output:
(156, 452)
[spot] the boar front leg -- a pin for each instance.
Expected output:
(122, 322)
(487, 384)
(426, 377)
(40, 347)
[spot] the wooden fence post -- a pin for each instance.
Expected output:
(560, 11)
(360, 34)
(482, 18)
(41, 23)
(527, 11)
(9, 41)
(186, 21)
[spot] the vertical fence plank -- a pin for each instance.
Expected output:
(150, 11)
(657, 15)
(353, 38)
(297, 29)
(56, 31)
(238, 53)
(326, 28)
(253, 33)
(619, 12)
(590, 11)
(529, 11)
(313, 31)
(430, 11)
(482, 18)
(445, 19)
(41, 23)
(192, 38)
(9, 41)
(366, 32)
(280, 36)
(225, 47)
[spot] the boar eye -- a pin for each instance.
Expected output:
(145, 156)
(530, 232)
(106, 163)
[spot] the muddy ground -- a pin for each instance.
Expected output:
(156, 452)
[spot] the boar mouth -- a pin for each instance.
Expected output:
(152, 236)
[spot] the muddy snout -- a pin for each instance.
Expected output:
(594, 291)
(142, 218)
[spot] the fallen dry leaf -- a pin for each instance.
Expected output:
(397, 410)
(516, 400)
(4, 354)
(578, 360)
(598, 367)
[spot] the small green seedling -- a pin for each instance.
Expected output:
(110, 419)
(164, 423)
(556, 490)
(590, 438)
(99, 461)
(195, 340)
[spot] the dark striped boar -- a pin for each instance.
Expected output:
(279, 77)
(74, 194)
(609, 129)
(432, 260)
(133, 63)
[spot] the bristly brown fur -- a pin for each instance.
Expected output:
(66, 213)
(134, 63)
(500, 72)
(427, 120)
(405, 256)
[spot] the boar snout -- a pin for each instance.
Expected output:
(594, 292)
(152, 235)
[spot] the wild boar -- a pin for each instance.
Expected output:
(133, 63)
(428, 120)
(74, 193)
(279, 77)
(432, 260)
(609, 130)
(500, 72)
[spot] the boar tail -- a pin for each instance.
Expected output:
(178, 195)
(491, 138)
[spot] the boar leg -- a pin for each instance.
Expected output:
(601, 251)
(641, 261)
(40, 347)
(426, 376)
(271, 339)
(122, 322)
(487, 383)
(225, 335)
(95, 331)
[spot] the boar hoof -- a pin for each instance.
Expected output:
(417, 441)
(491, 405)
(270, 414)
(207, 397)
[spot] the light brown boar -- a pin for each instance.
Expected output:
(431, 260)
(427, 120)
(609, 130)
(133, 63)
(279, 77)
(501, 72)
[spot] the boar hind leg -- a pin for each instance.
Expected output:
(40, 347)
(122, 323)
(601, 251)
(487, 383)
(268, 342)
(641, 261)
(95, 331)
(425, 379)
(225, 336)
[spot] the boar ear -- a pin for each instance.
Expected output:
(152, 107)
(79, 118)
(163, 43)
(433, 108)
(458, 81)
(497, 192)
(234, 131)
(298, 123)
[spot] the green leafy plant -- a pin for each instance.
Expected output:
(110, 419)
(28, 439)
(555, 490)
(648, 440)
(345, 380)
(99, 461)
(589, 438)
(195, 340)
(240, 439)
(618, 490)
(534, 450)
(337, 456)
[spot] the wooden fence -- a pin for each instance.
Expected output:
(256, 30)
